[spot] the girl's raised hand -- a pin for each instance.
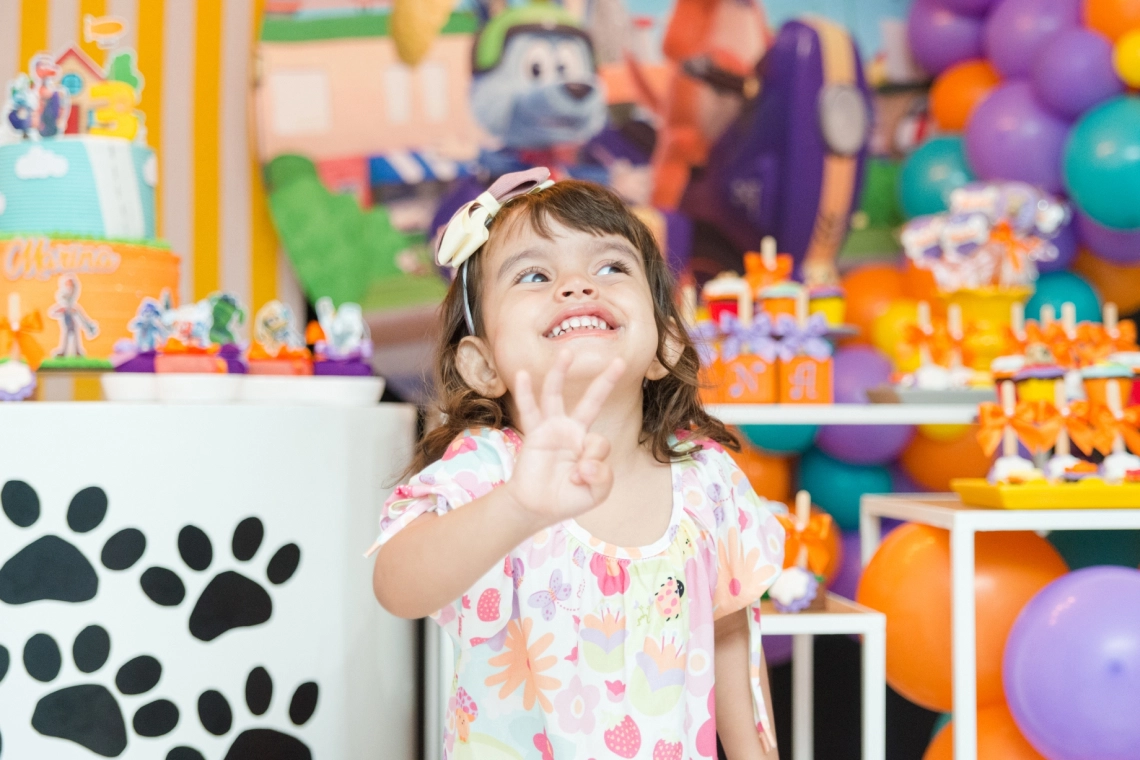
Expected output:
(562, 471)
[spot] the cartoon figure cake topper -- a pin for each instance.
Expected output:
(148, 328)
(274, 330)
(72, 319)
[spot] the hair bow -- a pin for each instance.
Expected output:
(467, 231)
(21, 334)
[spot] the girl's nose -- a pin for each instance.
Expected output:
(577, 286)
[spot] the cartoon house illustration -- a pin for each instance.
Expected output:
(332, 88)
(77, 74)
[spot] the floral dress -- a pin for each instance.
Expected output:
(572, 648)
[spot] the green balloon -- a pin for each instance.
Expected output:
(1102, 163)
(1057, 288)
(929, 173)
(838, 486)
(780, 439)
(940, 723)
(1086, 548)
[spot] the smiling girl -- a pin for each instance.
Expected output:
(595, 554)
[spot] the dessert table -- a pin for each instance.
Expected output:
(193, 576)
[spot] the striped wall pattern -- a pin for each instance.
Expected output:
(196, 58)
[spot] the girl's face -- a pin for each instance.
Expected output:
(577, 291)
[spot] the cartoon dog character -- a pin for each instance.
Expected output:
(22, 107)
(535, 84)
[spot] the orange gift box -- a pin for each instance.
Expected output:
(749, 379)
(806, 380)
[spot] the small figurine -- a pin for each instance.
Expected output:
(342, 341)
(71, 317)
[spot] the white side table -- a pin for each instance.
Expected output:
(947, 511)
(840, 616)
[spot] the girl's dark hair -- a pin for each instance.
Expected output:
(669, 405)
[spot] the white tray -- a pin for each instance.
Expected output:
(318, 390)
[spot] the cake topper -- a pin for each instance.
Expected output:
(73, 320)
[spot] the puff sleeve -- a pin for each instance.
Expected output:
(475, 462)
(750, 555)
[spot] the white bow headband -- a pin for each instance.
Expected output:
(466, 232)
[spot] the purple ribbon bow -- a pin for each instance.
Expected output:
(807, 340)
(753, 339)
(704, 336)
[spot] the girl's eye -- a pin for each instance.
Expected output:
(531, 276)
(613, 267)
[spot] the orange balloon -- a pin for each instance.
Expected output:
(919, 284)
(934, 463)
(1112, 18)
(770, 476)
(835, 548)
(908, 580)
(958, 90)
(1115, 283)
(870, 290)
(998, 739)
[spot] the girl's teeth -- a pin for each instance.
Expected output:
(574, 323)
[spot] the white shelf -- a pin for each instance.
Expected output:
(844, 414)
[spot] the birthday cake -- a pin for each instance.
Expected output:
(77, 204)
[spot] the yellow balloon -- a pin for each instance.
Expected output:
(944, 433)
(889, 327)
(1126, 58)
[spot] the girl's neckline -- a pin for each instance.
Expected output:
(635, 552)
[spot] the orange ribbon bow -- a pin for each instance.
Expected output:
(814, 537)
(257, 352)
(1078, 424)
(23, 335)
(937, 341)
(1106, 426)
(1037, 424)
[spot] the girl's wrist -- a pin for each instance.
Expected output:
(514, 515)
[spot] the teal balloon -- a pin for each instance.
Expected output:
(1088, 548)
(942, 720)
(1057, 288)
(929, 173)
(1102, 163)
(781, 439)
(837, 486)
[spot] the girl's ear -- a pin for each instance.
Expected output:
(671, 350)
(476, 366)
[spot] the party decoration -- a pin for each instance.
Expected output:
(850, 568)
(1126, 58)
(1116, 246)
(1112, 18)
(770, 476)
(1066, 244)
(1012, 136)
(1058, 288)
(781, 439)
(939, 38)
(933, 464)
(278, 347)
(930, 173)
(857, 369)
(1102, 163)
(415, 24)
(968, 7)
(809, 546)
(1017, 30)
(958, 90)
(998, 738)
(1087, 548)
(870, 291)
(20, 351)
(1074, 71)
(342, 342)
(864, 444)
(1090, 621)
(1116, 283)
(837, 486)
(805, 367)
(908, 579)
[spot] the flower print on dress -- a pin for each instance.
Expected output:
(706, 734)
(603, 640)
(659, 679)
(742, 578)
(612, 574)
(523, 665)
(575, 706)
(460, 445)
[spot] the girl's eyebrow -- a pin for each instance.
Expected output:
(515, 258)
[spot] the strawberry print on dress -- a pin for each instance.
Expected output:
(572, 648)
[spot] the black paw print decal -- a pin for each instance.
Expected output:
(3, 672)
(230, 600)
(51, 567)
(255, 743)
(88, 713)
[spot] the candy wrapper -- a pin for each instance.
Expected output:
(993, 235)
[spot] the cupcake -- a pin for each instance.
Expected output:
(278, 348)
(1006, 367)
(1036, 380)
(794, 590)
(1130, 359)
(828, 300)
(17, 381)
(342, 343)
(728, 293)
(780, 299)
(1096, 379)
(187, 348)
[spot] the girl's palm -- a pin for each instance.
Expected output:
(561, 471)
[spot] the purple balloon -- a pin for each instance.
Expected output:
(901, 482)
(846, 581)
(856, 370)
(1018, 29)
(968, 7)
(1072, 666)
(1010, 136)
(939, 38)
(777, 649)
(1066, 243)
(864, 444)
(1073, 72)
(1117, 246)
